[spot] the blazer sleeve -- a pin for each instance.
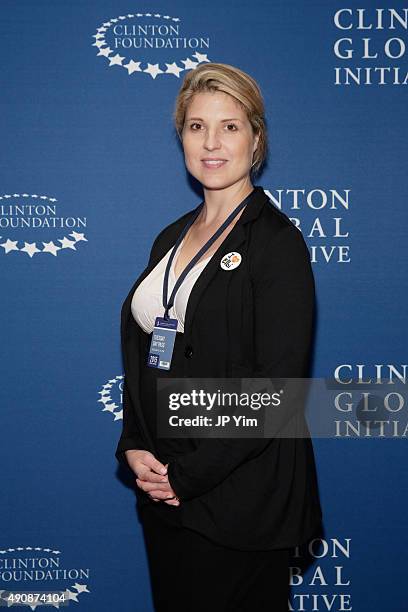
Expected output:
(284, 298)
(131, 437)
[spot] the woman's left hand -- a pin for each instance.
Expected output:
(150, 487)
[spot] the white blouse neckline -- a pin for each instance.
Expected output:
(173, 265)
(147, 299)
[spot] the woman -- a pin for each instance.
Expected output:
(220, 516)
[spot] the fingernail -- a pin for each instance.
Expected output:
(163, 471)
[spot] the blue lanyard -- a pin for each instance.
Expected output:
(168, 304)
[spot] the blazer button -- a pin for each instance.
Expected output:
(189, 351)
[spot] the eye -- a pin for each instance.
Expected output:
(233, 125)
(192, 124)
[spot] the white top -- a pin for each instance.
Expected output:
(147, 299)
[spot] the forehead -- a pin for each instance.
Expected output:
(214, 104)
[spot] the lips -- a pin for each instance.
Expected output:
(213, 162)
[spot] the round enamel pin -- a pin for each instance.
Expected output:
(230, 261)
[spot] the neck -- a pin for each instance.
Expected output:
(219, 203)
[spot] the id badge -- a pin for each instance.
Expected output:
(162, 344)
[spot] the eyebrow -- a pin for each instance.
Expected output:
(222, 120)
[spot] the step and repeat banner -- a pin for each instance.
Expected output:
(92, 170)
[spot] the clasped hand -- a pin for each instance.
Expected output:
(151, 476)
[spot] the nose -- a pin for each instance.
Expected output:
(211, 140)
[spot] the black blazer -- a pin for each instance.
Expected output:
(244, 493)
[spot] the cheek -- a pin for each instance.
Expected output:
(243, 151)
(190, 147)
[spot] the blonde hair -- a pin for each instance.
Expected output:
(238, 84)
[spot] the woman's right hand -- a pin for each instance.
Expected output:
(152, 473)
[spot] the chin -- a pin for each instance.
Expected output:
(220, 182)
(216, 181)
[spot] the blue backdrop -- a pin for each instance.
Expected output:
(92, 170)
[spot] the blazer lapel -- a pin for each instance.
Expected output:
(234, 240)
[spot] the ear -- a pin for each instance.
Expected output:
(256, 140)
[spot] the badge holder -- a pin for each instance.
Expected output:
(162, 344)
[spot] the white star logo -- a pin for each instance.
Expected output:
(116, 60)
(10, 245)
(81, 588)
(153, 70)
(201, 57)
(30, 248)
(174, 69)
(50, 247)
(105, 52)
(109, 408)
(66, 244)
(132, 67)
(70, 595)
(78, 236)
(189, 64)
